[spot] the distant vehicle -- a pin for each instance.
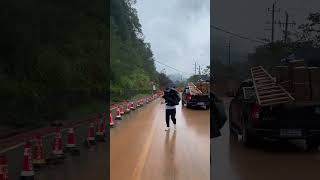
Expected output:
(192, 96)
(263, 109)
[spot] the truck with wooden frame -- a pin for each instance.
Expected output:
(192, 96)
(263, 108)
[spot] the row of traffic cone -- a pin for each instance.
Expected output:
(100, 134)
(129, 107)
(34, 160)
(38, 160)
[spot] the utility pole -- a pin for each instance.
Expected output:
(199, 70)
(195, 68)
(273, 20)
(287, 23)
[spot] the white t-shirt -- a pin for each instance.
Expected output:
(170, 107)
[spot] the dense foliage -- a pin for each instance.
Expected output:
(53, 58)
(132, 63)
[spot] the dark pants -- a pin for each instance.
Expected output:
(172, 113)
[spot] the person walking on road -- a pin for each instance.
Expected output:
(172, 99)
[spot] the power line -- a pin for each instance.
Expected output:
(237, 35)
(140, 66)
(171, 67)
(286, 23)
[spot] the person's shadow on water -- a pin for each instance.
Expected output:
(170, 147)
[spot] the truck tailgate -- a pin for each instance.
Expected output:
(295, 117)
(200, 98)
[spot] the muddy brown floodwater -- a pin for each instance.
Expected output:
(269, 160)
(140, 149)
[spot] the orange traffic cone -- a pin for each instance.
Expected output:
(3, 168)
(27, 172)
(57, 144)
(38, 158)
(132, 106)
(100, 134)
(118, 114)
(147, 100)
(128, 108)
(121, 110)
(91, 137)
(71, 141)
(111, 120)
(101, 129)
(71, 146)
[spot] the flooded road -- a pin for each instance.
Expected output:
(269, 160)
(140, 148)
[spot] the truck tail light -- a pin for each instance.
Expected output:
(255, 114)
(189, 97)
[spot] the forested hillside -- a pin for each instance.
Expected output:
(52, 58)
(132, 66)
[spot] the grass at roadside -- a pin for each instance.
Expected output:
(117, 100)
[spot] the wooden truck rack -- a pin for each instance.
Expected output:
(268, 92)
(193, 89)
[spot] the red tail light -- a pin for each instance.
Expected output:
(189, 97)
(255, 113)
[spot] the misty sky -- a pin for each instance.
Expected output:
(179, 32)
(249, 17)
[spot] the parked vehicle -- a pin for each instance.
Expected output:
(192, 96)
(262, 108)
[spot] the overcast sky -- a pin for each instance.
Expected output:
(178, 30)
(249, 17)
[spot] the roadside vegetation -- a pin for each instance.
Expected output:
(53, 60)
(132, 66)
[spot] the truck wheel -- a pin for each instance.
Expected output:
(312, 143)
(188, 105)
(231, 126)
(247, 138)
(232, 131)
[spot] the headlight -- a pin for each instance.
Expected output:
(317, 110)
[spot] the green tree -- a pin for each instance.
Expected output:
(131, 58)
(310, 31)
